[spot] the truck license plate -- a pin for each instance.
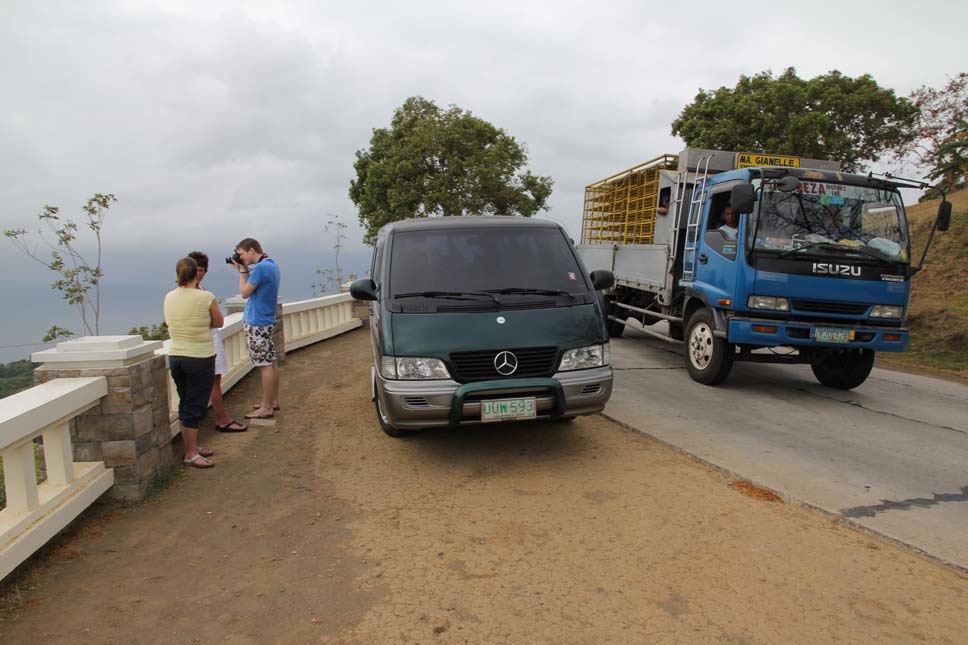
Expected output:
(829, 335)
(507, 409)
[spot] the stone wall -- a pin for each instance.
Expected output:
(130, 429)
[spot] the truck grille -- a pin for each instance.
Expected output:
(826, 307)
(479, 366)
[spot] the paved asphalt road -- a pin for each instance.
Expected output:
(891, 455)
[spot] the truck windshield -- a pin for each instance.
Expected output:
(520, 262)
(832, 219)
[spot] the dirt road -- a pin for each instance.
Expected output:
(322, 529)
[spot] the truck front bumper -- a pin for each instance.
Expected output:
(428, 404)
(767, 332)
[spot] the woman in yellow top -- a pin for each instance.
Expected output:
(190, 313)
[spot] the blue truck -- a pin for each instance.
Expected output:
(755, 257)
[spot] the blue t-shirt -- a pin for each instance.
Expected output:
(260, 309)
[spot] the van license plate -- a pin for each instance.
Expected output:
(507, 409)
(828, 335)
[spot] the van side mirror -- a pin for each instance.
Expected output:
(944, 215)
(741, 198)
(363, 289)
(602, 279)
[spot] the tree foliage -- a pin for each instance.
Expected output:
(442, 162)
(155, 332)
(77, 277)
(15, 376)
(940, 142)
(833, 116)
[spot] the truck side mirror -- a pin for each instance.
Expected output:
(944, 215)
(363, 289)
(741, 198)
(602, 279)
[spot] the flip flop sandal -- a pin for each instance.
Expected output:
(205, 452)
(199, 461)
(228, 427)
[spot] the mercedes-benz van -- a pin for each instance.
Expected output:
(483, 319)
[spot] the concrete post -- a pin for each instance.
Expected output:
(130, 428)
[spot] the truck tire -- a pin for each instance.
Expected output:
(385, 424)
(846, 370)
(615, 328)
(708, 358)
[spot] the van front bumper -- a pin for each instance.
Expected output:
(428, 404)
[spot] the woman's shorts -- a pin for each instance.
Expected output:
(221, 363)
(193, 378)
(262, 350)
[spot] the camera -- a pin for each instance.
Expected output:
(235, 258)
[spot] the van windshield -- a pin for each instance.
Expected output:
(518, 261)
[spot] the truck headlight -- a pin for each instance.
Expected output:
(413, 368)
(768, 302)
(886, 311)
(584, 357)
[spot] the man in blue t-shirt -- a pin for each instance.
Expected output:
(259, 282)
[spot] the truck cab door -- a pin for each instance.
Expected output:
(717, 251)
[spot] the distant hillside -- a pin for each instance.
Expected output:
(938, 314)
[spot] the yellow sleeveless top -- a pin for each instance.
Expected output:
(189, 320)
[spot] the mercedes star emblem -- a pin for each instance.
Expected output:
(505, 363)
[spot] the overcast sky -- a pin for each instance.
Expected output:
(212, 121)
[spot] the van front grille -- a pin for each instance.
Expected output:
(479, 366)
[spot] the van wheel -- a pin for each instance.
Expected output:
(844, 371)
(708, 358)
(384, 421)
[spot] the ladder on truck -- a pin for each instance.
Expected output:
(695, 215)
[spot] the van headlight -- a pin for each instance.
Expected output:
(584, 357)
(768, 302)
(413, 368)
(886, 311)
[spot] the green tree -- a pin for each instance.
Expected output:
(940, 133)
(442, 162)
(833, 116)
(155, 332)
(77, 277)
(15, 376)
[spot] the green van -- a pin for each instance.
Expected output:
(483, 319)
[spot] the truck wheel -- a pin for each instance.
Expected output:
(845, 370)
(708, 358)
(385, 424)
(614, 327)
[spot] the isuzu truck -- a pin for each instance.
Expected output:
(755, 257)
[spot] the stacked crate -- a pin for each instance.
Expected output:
(621, 209)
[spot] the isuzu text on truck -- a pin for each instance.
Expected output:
(815, 269)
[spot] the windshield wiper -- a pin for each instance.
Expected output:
(448, 295)
(833, 246)
(540, 292)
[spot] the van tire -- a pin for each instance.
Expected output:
(709, 358)
(385, 424)
(844, 371)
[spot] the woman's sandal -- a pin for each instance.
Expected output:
(199, 461)
(205, 452)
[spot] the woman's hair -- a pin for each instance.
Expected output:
(185, 271)
(200, 258)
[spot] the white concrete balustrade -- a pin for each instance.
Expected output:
(36, 512)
